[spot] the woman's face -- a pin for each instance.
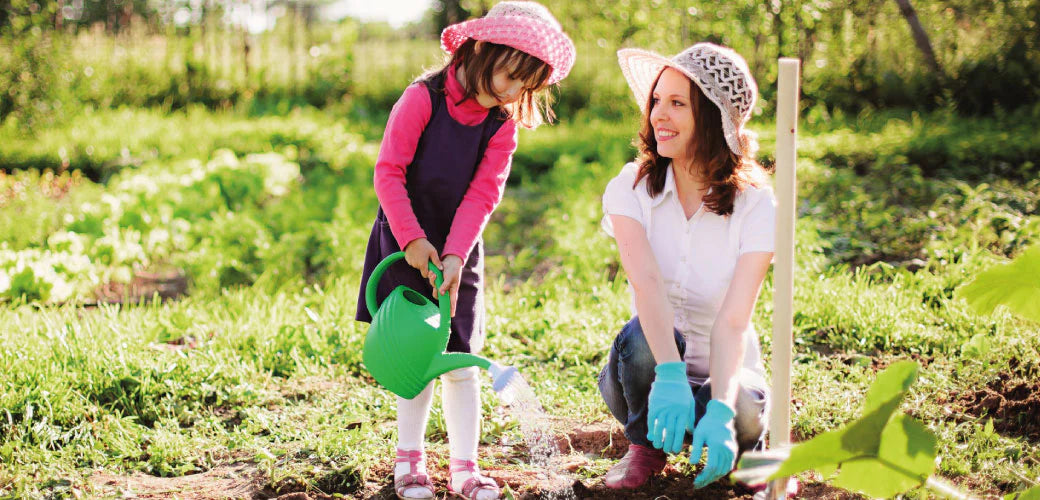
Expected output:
(671, 114)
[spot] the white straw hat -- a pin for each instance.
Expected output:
(719, 72)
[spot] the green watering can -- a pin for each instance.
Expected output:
(404, 347)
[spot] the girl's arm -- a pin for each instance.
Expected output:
(407, 121)
(655, 312)
(727, 335)
(484, 192)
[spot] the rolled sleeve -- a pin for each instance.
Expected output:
(621, 198)
(758, 232)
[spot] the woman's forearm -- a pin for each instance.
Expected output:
(727, 356)
(727, 334)
(652, 306)
(657, 319)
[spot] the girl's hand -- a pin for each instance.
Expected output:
(419, 253)
(452, 279)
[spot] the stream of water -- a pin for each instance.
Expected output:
(523, 404)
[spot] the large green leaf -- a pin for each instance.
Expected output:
(905, 459)
(1015, 285)
(861, 438)
(892, 383)
(909, 448)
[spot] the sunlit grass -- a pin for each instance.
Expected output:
(275, 375)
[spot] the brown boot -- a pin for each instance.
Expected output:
(635, 468)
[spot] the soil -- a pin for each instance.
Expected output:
(144, 287)
(239, 480)
(1011, 401)
(579, 447)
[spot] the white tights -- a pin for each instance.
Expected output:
(461, 398)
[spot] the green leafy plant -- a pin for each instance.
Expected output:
(881, 444)
(882, 454)
(1015, 286)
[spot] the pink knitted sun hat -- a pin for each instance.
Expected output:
(720, 72)
(526, 26)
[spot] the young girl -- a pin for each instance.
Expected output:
(441, 171)
(693, 219)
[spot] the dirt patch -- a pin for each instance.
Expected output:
(534, 485)
(601, 439)
(580, 446)
(238, 480)
(307, 388)
(144, 287)
(820, 491)
(1012, 402)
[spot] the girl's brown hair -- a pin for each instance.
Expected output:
(726, 172)
(534, 104)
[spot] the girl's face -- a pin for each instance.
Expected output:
(507, 82)
(507, 89)
(671, 114)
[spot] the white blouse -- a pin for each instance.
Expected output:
(697, 256)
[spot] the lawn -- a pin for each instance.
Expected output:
(249, 375)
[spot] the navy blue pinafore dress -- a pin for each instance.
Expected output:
(446, 158)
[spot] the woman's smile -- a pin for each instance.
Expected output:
(664, 134)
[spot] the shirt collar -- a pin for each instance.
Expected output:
(669, 187)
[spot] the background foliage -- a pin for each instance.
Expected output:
(140, 138)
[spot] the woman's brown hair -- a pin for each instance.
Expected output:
(533, 107)
(726, 172)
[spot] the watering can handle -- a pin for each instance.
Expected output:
(377, 273)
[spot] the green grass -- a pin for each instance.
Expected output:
(276, 378)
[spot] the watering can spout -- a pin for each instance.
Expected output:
(447, 362)
(502, 376)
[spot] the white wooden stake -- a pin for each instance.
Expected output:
(783, 266)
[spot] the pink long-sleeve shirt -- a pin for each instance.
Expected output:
(408, 119)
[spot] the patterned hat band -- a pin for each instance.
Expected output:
(721, 74)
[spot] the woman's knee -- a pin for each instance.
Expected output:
(633, 348)
(752, 413)
(752, 407)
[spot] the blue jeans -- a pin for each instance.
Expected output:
(625, 386)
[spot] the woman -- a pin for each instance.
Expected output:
(693, 220)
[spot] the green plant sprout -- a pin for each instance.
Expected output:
(1015, 286)
(881, 454)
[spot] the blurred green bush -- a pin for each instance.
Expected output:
(857, 56)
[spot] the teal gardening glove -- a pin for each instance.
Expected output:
(670, 405)
(714, 431)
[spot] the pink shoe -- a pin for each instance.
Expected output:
(416, 478)
(635, 468)
(474, 484)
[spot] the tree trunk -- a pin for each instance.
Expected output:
(920, 37)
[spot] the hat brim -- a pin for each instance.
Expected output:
(530, 36)
(641, 68)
